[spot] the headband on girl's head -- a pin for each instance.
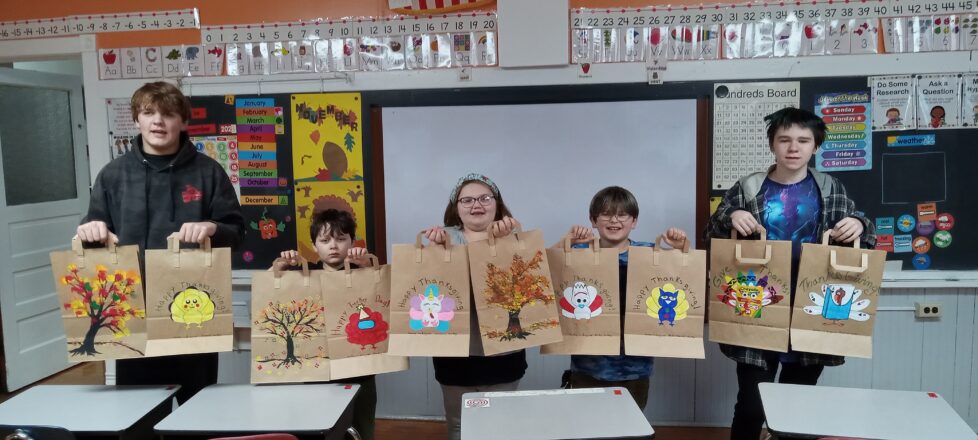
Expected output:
(474, 177)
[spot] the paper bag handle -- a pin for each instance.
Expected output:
(760, 230)
(76, 245)
(492, 239)
(843, 268)
(418, 246)
(657, 250)
(349, 271)
(659, 241)
(594, 244)
(827, 234)
(173, 243)
(278, 272)
(755, 261)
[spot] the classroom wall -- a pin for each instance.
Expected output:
(909, 354)
(216, 12)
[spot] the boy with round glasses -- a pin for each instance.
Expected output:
(614, 213)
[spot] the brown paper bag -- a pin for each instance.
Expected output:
(288, 327)
(586, 283)
(101, 294)
(837, 293)
(666, 294)
(357, 321)
(514, 297)
(430, 300)
(188, 292)
(749, 292)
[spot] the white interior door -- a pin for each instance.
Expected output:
(44, 192)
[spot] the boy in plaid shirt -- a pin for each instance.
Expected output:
(792, 202)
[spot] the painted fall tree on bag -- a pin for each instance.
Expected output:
(290, 322)
(514, 289)
(107, 301)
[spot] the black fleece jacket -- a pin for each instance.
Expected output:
(143, 205)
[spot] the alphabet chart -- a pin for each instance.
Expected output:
(740, 142)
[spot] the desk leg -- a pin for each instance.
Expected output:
(343, 425)
(143, 429)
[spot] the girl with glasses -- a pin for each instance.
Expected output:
(475, 210)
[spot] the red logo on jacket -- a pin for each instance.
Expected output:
(192, 194)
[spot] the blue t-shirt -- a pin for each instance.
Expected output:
(792, 212)
(621, 367)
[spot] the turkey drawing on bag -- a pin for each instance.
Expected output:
(581, 301)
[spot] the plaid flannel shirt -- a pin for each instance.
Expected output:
(746, 195)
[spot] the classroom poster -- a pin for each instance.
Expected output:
(969, 100)
(848, 142)
(122, 129)
(740, 143)
(223, 149)
(327, 160)
(938, 101)
(248, 137)
(893, 103)
(263, 174)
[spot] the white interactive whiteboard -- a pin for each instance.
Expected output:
(547, 159)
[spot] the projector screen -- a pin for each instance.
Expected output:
(547, 159)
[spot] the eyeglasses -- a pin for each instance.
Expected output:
(620, 217)
(484, 200)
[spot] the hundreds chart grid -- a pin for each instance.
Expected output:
(740, 142)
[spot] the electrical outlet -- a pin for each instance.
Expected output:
(928, 310)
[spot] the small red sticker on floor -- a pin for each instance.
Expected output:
(617, 392)
(934, 395)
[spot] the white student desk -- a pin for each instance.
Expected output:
(585, 413)
(806, 411)
(320, 410)
(123, 411)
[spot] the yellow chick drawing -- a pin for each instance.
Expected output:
(192, 306)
